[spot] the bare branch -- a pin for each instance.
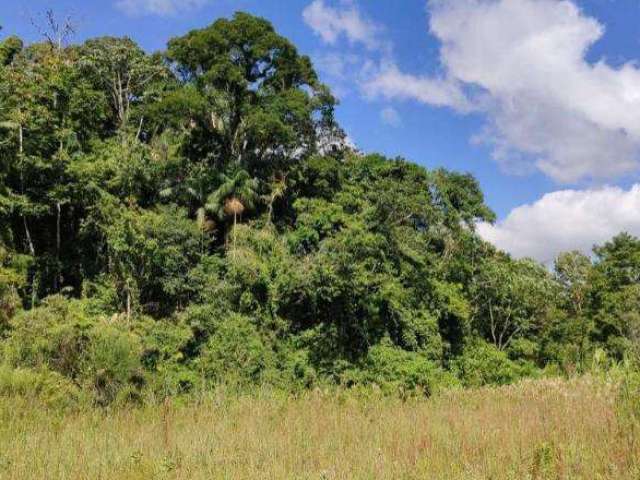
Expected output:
(57, 33)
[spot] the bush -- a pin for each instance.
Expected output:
(111, 364)
(235, 353)
(53, 336)
(397, 370)
(298, 370)
(523, 349)
(483, 364)
(202, 321)
(44, 386)
(88, 350)
(167, 348)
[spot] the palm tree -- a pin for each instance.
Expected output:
(278, 189)
(194, 190)
(237, 192)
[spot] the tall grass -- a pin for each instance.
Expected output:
(546, 429)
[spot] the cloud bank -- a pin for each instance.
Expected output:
(566, 220)
(522, 64)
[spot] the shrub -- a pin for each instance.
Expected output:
(298, 370)
(167, 348)
(53, 336)
(163, 341)
(235, 353)
(523, 349)
(88, 350)
(44, 386)
(202, 321)
(483, 364)
(397, 370)
(111, 364)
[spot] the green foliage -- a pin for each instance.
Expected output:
(9, 48)
(513, 299)
(615, 294)
(122, 70)
(111, 363)
(91, 352)
(43, 386)
(149, 254)
(398, 371)
(266, 103)
(483, 364)
(235, 353)
(12, 279)
(178, 220)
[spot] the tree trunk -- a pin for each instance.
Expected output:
(139, 129)
(235, 221)
(128, 303)
(58, 278)
(34, 290)
(270, 210)
(492, 325)
(27, 232)
(20, 154)
(20, 140)
(24, 217)
(32, 250)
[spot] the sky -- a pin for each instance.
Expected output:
(538, 99)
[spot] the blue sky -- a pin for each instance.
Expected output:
(539, 99)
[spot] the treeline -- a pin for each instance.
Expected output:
(173, 221)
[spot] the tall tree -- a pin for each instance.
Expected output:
(265, 103)
(615, 296)
(512, 299)
(123, 70)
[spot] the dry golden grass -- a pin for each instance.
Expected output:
(534, 430)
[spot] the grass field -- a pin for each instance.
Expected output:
(548, 429)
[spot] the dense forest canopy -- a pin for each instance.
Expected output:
(175, 220)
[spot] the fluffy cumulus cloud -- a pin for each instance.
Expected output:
(158, 7)
(522, 64)
(566, 220)
(330, 23)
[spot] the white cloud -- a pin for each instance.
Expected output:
(331, 23)
(158, 7)
(389, 82)
(347, 66)
(390, 116)
(522, 64)
(566, 220)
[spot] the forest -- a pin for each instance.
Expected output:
(196, 217)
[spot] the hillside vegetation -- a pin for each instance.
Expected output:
(192, 218)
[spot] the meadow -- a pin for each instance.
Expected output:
(536, 429)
